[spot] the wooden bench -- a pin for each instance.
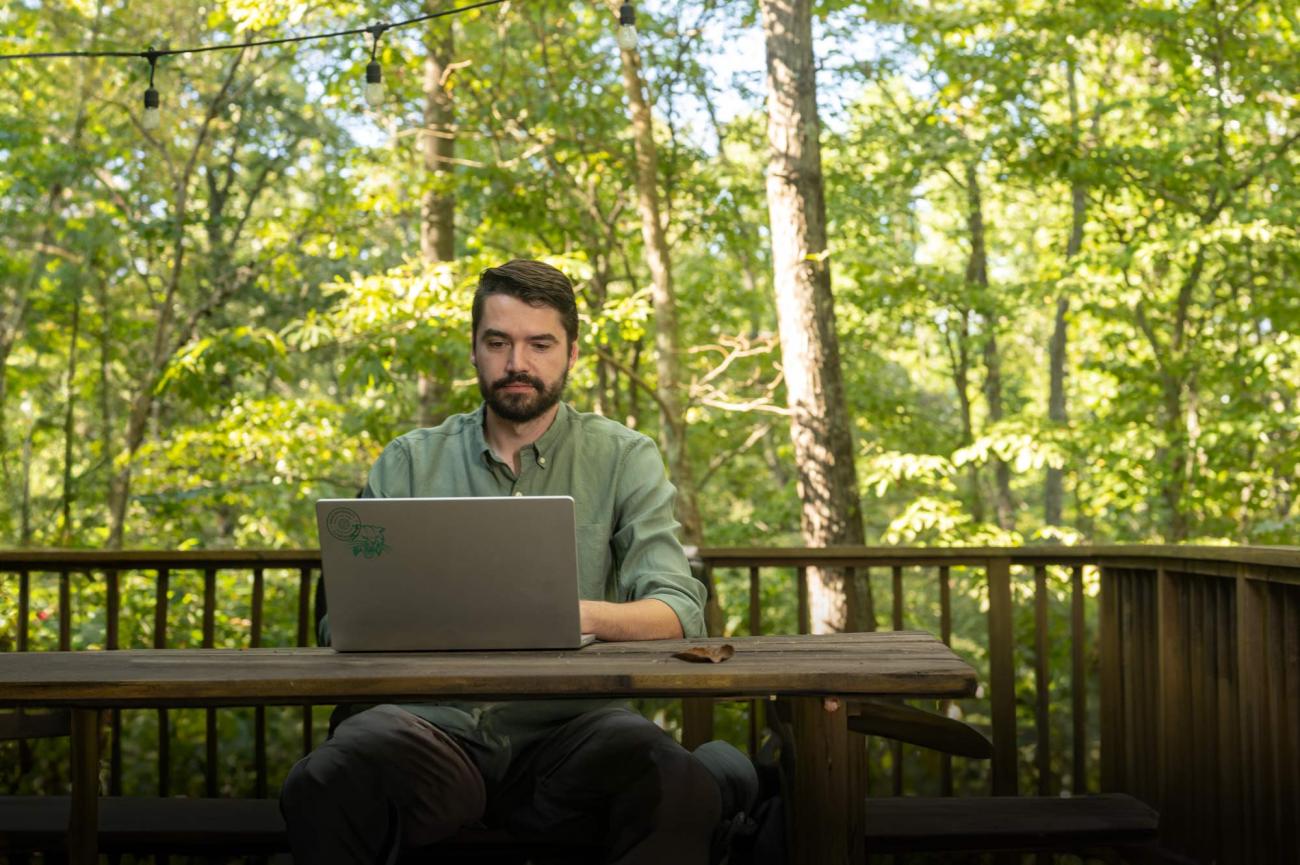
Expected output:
(994, 823)
(229, 827)
(894, 825)
(140, 824)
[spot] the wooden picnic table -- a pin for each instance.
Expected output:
(827, 788)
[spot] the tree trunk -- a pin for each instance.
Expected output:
(438, 205)
(977, 274)
(819, 423)
(659, 262)
(25, 509)
(106, 423)
(1054, 486)
(69, 419)
(1175, 456)
(1057, 416)
(633, 418)
(1004, 505)
(671, 387)
(959, 360)
(598, 293)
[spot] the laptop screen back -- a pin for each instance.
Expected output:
(451, 573)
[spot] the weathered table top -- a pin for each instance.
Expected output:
(892, 663)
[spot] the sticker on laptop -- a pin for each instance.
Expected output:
(366, 540)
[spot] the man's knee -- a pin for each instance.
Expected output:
(388, 758)
(350, 761)
(299, 792)
(334, 778)
(689, 794)
(682, 790)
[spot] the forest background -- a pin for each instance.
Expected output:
(1060, 240)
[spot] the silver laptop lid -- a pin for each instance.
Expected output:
(450, 573)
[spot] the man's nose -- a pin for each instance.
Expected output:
(516, 359)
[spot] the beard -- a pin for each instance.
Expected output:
(522, 407)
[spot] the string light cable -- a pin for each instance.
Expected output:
(374, 89)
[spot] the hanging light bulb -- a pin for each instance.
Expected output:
(374, 74)
(152, 117)
(626, 26)
(374, 84)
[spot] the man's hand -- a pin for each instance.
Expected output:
(648, 619)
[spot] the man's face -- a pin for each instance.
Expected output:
(522, 357)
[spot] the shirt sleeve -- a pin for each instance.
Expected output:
(650, 560)
(390, 476)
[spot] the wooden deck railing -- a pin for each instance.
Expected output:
(1196, 661)
(293, 573)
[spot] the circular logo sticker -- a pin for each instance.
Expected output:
(342, 523)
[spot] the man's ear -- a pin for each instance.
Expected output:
(573, 353)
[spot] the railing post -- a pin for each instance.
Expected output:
(755, 629)
(24, 617)
(259, 712)
(896, 622)
(1002, 678)
(1228, 777)
(210, 742)
(801, 588)
(113, 593)
(1078, 682)
(160, 642)
(304, 639)
(65, 610)
(1252, 703)
(1286, 714)
(945, 634)
(1042, 688)
(1111, 710)
(1172, 709)
(24, 608)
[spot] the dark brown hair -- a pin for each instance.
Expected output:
(533, 282)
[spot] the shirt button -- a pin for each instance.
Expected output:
(519, 492)
(541, 461)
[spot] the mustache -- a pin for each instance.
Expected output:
(519, 378)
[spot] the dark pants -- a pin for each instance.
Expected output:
(388, 779)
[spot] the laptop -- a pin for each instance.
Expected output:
(451, 573)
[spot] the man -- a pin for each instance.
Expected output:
(393, 777)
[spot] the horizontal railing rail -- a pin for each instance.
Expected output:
(1192, 660)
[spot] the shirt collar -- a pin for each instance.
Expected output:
(548, 443)
(555, 435)
(479, 437)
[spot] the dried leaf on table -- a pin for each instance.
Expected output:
(707, 654)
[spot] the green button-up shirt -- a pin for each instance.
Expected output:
(627, 543)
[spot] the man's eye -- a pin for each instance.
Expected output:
(496, 343)
(541, 346)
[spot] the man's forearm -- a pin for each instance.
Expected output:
(648, 619)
